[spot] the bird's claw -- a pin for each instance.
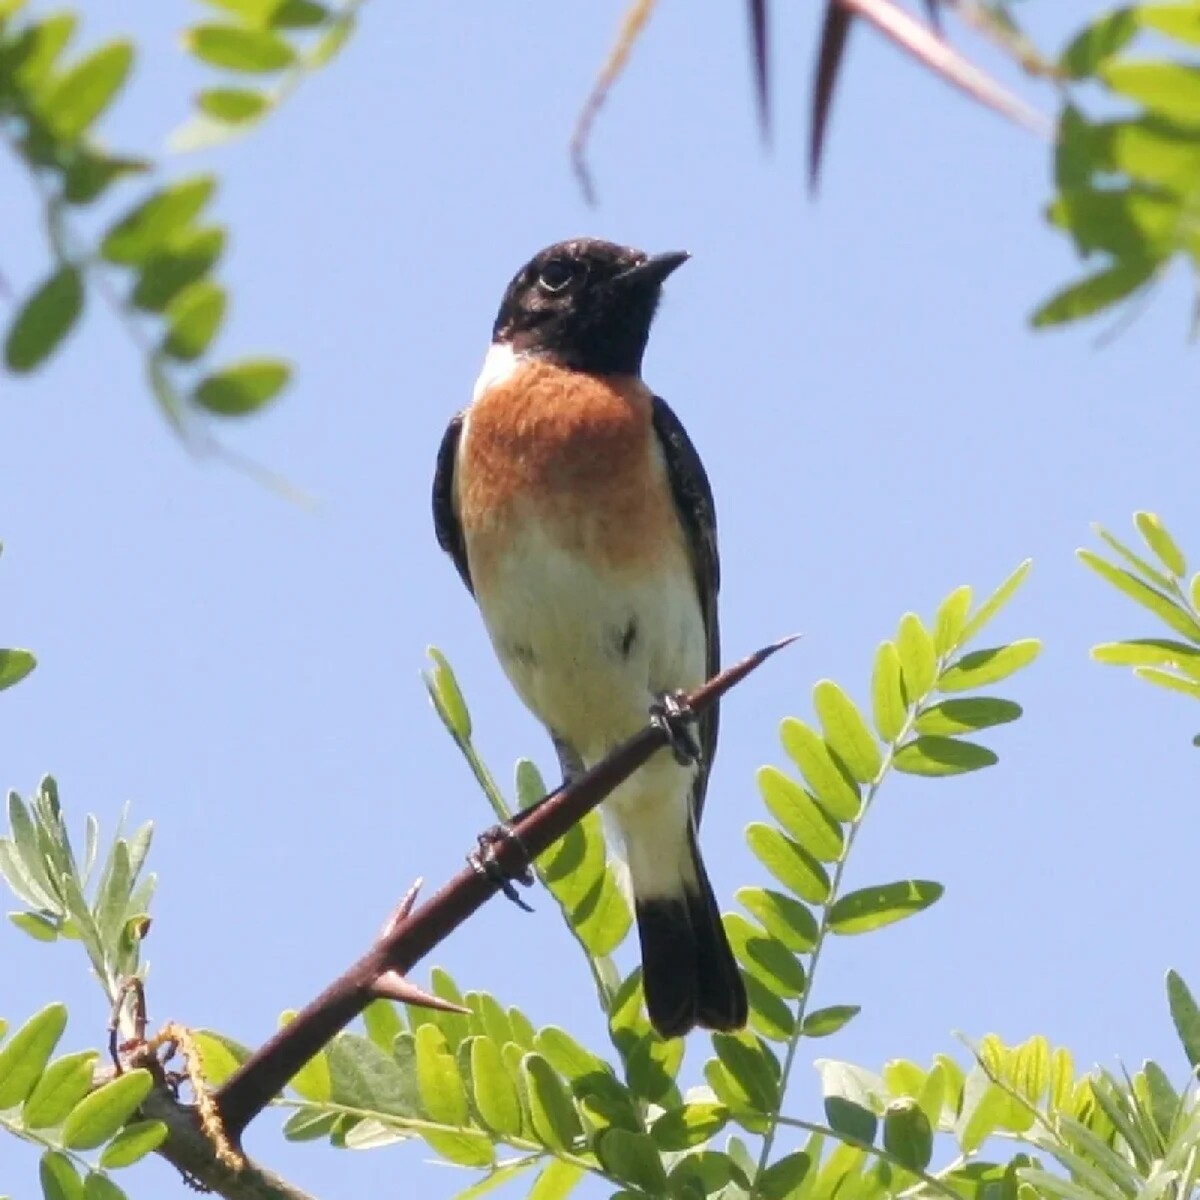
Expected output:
(671, 713)
(485, 862)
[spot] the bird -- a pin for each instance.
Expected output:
(579, 514)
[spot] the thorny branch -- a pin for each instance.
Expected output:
(407, 937)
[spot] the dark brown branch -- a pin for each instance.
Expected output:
(413, 932)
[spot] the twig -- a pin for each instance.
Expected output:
(411, 933)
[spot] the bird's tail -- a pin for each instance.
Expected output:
(689, 973)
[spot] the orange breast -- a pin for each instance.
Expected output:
(577, 455)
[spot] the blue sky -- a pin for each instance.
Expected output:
(879, 425)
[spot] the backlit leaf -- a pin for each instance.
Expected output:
(1165, 608)
(153, 222)
(1186, 1015)
(58, 1177)
(1173, 683)
(951, 620)
(1155, 534)
(182, 261)
(556, 1182)
(789, 862)
(80, 95)
(982, 667)
(633, 1159)
(44, 320)
(952, 717)
(746, 1060)
(63, 1084)
(846, 732)
(800, 815)
(102, 1114)
(24, 1056)
(874, 907)
(918, 660)
(934, 756)
(889, 706)
(825, 1021)
(14, 666)
(787, 919)
(132, 1144)
(193, 318)
(833, 789)
(236, 48)
(234, 106)
(688, 1126)
(996, 601)
(765, 957)
(1149, 652)
(554, 1118)
(1169, 88)
(438, 1078)
(1097, 43)
(1094, 293)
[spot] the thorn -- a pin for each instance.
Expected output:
(391, 985)
(401, 911)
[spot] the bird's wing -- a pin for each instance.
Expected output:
(445, 519)
(694, 502)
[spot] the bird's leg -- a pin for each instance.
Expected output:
(671, 713)
(485, 862)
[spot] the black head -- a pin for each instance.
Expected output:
(586, 304)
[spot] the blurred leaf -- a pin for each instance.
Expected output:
(918, 662)
(1179, 21)
(874, 907)
(907, 1134)
(933, 756)
(234, 106)
(153, 222)
(312, 1081)
(1130, 223)
(1186, 1015)
(495, 1091)
(789, 862)
(888, 703)
(236, 48)
(846, 732)
(132, 1144)
(783, 1178)
(1164, 679)
(952, 717)
(765, 957)
(102, 1114)
(182, 261)
(996, 601)
(1155, 534)
(800, 815)
(1162, 606)
(58, 1177)
(1170, 88)
(35, 49)
(44, 321)
(89, 174)
(1095, 292)
(63, 1084)
(633, 1159)
(24, 1056)
(242, 388)
(330, 43)
(557, 1181)
(982, 667)
(554, 1118)
(1097, 43)
(689, 1126)
(746, 1060)
(984, 1107)
(951, 620)
(38, 927)
(825, 1021)
(787, 919)
(1149, 652)
(80, 95)
(193, 318)
(833, 790)
(14, 666)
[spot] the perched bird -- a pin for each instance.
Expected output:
(577, 511)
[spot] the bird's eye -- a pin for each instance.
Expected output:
(556, 274)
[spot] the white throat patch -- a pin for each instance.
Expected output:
(498, 365)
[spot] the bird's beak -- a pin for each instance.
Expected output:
(655, 269)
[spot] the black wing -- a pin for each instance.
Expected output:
(694, 500)
(445, 519)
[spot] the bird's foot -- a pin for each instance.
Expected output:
(486, 863)
(671, 713)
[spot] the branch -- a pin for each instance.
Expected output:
(411, 933)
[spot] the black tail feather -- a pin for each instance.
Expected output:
(689, 974)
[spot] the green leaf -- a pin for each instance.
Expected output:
(765, 957)
(1169, 88)
(234, 106)
(99, 1187)
(80, 95)
(63, 1084)
(363, 1076)
(1155, 535)
(918, 660)
(874, 907)
(783, 1178)
(846, 733)
(770, 1015)
(789, 862)
(182, 261)
(1132, 223)
(984, 1107)
(146, 228)
(907, 1134)
(132, 1144)
(688, 1126)
(496, 1098)
(889, 705)
(94, 1120)
(750, 1065)
(1140, 566)
(441, 1086)
(952, 717)
(313, 1081)
(800, 815)
(446, 696)
(1149, 652)
(556, 1182)
(1163, 607)
(219, 1055)
(58, 1177)
(330, 43)
(36, 48)
(633, 1159)
(951, 620)
(982, 667)
(1094, 293)
(465, 1148)
(786, 919)
(193, 318)
(1179, 21)
(1097, 43)
(234, 48)
(299, 14)
(1186, 1015)
(14, 666)
(825, 1021)
(602, 918)
(831, 787)
(243, 387)
(996, 601)
(1172, 683)
(934, 756)
(24, 1056)
(851, 1098)
(38, 927)
(89, 174)
(554, 1118)
(307, 1124)
(44, 321)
